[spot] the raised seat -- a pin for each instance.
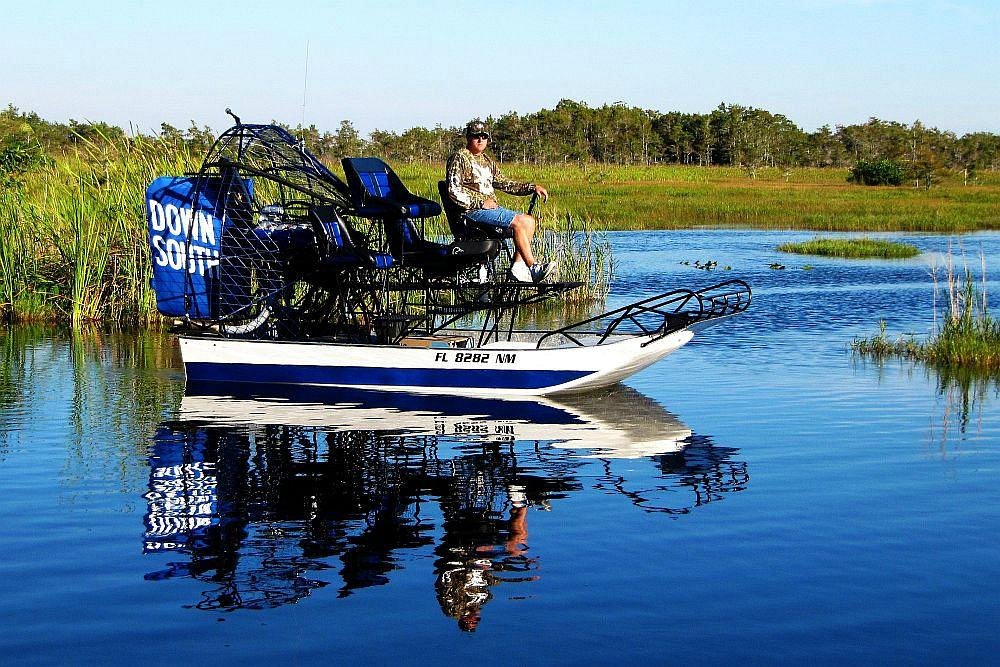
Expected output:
(377, 193)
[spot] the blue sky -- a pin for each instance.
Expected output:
(392, 65)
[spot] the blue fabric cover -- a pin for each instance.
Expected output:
(185, 242)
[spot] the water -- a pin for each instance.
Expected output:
(760, 495)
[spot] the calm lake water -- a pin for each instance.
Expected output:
(761, 495)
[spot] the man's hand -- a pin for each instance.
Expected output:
(490, 203)
(542, 192)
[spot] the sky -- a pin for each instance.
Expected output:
(393, 65)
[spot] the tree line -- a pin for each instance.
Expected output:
(573, 132)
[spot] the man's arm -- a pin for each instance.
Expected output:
(510, 186)
(455, 174)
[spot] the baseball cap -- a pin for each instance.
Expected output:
(476, 127)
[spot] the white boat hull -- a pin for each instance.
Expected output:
(500, 368)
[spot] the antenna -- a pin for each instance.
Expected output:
(305, 81)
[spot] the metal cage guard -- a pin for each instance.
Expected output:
(663, 314)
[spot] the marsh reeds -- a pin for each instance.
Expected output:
(72, 233)
(19, 258)
(81, 237)
(583, 253)
(966, 336)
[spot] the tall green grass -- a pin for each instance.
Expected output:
(19, 261)
(72, 233)
(82, 242)
(584, 255)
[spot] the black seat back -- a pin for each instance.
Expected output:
(460, 227)
(377, 192)
(334, 235)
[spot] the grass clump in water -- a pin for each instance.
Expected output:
(968, 337)
(583, 253)
(858, 247)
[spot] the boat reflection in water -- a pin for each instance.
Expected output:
(269, 498)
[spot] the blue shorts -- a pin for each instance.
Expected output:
(493, 217)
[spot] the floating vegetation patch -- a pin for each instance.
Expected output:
(858, 247)
(709, 265)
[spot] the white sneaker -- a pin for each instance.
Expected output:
(554, 272)
(540, 272)
(521, 272)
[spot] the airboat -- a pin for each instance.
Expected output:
(278, 271)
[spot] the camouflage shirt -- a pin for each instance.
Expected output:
(472, 179)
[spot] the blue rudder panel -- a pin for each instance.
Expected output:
(188, 219)
(185, 239)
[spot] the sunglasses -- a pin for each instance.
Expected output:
(481, 137)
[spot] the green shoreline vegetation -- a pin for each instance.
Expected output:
(73, 244)
(855, 248)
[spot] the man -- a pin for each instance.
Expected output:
(473, 178)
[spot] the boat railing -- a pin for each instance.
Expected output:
(660, 315)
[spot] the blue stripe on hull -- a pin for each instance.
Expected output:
(385, 377)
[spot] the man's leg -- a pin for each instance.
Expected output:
(523, 229)
(521, 226)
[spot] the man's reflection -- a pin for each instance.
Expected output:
(485, 541)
